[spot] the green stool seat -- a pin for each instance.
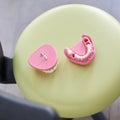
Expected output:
(72, 90)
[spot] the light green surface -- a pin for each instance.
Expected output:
(73, 90)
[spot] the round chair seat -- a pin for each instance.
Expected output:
(72, 90)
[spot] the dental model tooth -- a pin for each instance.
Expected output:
(78, 57)
(69, 52)
(75, 55)
(51, 70)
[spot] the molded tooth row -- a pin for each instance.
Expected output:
(89, 50)
(78, 57)
(51, 70)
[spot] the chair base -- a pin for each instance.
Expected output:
(7, 75)
(97, 116)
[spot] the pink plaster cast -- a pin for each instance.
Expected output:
(44, 59)
(81, 53)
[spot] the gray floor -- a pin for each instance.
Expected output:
(15, 15)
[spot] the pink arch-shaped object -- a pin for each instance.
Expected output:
(81, 53)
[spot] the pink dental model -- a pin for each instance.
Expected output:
(81, 53)
(44, 59)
